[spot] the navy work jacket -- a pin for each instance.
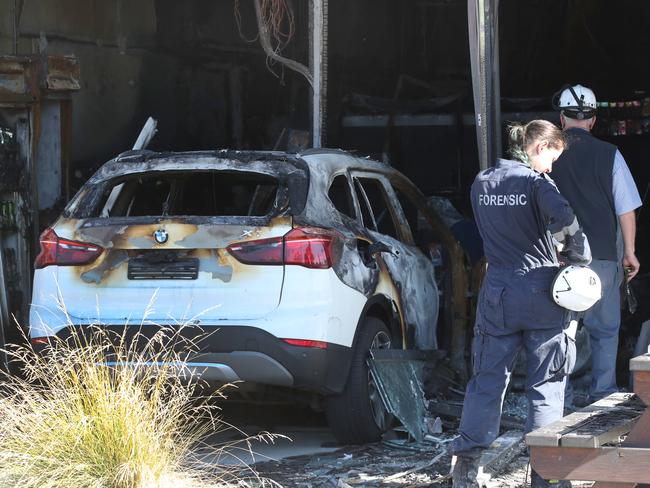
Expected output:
(517, 210)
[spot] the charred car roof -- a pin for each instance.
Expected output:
(272, 163)
(313, 168)
(310, 162)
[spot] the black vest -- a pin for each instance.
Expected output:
(583, 174)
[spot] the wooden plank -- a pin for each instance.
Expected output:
(640, 363)
(612, 464)
(612, 417)
(615, 400)
(550, 434)
(601, 430)
(624, 404)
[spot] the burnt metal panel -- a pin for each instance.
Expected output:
(61, 73)
(28, 78)
(399, 376)
(18, 80)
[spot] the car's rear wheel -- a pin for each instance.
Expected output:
(358, 415)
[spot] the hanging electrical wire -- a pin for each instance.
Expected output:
(276, 27)
(278, 17)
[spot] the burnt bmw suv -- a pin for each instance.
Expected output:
(300, 264)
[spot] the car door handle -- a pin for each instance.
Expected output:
(379, 247)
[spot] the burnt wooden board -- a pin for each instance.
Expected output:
(592, 426)
(600, 429)
(614, 400)
(611, 464)
(551, 434)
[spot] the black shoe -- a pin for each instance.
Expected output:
(536, 481)
(464, 473)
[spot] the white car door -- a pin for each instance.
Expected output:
(412, 272)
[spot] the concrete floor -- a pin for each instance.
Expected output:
(300, 432)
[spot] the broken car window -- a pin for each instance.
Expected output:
(409, 209)
(149, 196)
(379, 206)
(222, 193)
(366, 212)
(339, 195)
(423, 234)
(110, 201)
(196, 193)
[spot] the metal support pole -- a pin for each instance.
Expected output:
(318, 67)
(483, 23)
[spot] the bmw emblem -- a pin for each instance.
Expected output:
(161, 236)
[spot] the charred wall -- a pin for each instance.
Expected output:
(187, 64)
(204, 76)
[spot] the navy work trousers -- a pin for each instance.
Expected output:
(602, 321)
(515, 311)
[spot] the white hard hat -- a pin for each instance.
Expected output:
(576, 288)
(577, 102)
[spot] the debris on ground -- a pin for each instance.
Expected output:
(383, 464)
(399, 461)
(402, 461)
(389, 464)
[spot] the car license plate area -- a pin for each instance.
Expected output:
(179, 269)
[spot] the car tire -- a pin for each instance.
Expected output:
(358, 415)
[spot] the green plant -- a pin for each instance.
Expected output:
(104, 410)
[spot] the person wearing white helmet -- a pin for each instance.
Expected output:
(595, 179)
(578, 103)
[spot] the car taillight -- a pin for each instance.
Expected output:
(309, 248)
(306, 343)
(303, 246)
(261, 251)
(64, 252)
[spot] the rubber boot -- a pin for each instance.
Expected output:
(536, 481)
(464, 472)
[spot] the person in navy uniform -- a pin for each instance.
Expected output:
(523, 220)
(595, 179)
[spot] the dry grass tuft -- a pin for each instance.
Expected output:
(79, 417)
